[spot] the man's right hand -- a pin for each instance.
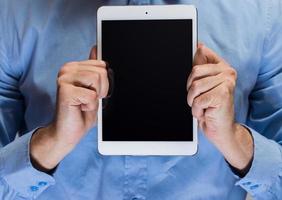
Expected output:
(80, 86)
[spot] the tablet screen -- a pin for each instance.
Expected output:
(151, 61)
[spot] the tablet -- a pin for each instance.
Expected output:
(150, 52)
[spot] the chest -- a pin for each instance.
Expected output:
(68, 34)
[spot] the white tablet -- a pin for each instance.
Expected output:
(150, 51)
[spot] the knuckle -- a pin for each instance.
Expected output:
(194, 86)
(197, 102)
(201, 50)
(233, 72)
(230, 79)
(195, 69)
(60, 80)
(66, 68)
(62, 71)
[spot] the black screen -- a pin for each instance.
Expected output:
(151, 61)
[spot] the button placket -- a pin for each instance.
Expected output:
(34, 188)
(126, 186)
(135, 177)
(139, 2)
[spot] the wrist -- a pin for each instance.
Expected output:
(45, 149)
(244, 140)
(238, 148)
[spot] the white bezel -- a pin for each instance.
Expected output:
(146, 13)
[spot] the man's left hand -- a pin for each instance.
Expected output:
(211, 86)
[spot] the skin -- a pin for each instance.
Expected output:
(210, 89)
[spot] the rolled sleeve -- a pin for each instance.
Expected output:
(17, 171)
(266, 168)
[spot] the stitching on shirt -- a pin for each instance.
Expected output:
(16, 193)
(268, 16)
(272, 193)
(275, 179)
(267, 24)
(266, 35)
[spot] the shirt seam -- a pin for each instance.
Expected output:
(267, 24)
(266, 35)
(268, 18)
(7, 185)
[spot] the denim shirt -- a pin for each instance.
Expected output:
(38, 36)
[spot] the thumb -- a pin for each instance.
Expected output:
(204, 55)
(93, 53)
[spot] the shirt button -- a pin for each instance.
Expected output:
(42, 183)
(138, 197)
(254, 187)
(247, 183)
(34, 188)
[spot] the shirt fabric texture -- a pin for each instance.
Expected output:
(38, 36)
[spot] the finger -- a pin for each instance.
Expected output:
(200, 44)
(94, 80)
(86, 79)
(90, 65)
(95, 63)
(82, 98)
(202, 71)
(210, 99)
(90, 117)
(90, 108)
(93, 53)
(203, 85)
(103, 70)
(197, 112)
(204, 55)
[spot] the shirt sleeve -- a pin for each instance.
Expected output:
(17, 172)
(18, 178)
(264, 179)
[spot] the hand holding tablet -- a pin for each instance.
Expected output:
(150, 51)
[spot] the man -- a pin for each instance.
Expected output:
(49, 93)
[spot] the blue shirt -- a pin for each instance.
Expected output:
(38, 37)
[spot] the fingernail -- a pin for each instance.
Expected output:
(102, 62)
(189, 103)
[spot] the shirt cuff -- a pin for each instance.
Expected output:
(266, 165)
(18, 172)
